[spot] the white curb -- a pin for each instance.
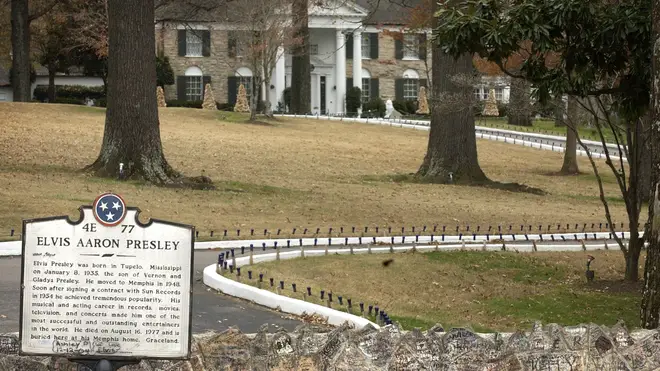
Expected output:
(282, 303)
(480, 133)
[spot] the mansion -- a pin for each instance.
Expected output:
(349, 46)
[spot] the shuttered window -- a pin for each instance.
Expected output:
(193, 44)
(193, 88)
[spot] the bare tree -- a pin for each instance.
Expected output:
(261, 31)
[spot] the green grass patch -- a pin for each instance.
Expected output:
(569, 307)
(486, 291)
(520, 267)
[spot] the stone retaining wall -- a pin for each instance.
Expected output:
(312, 347)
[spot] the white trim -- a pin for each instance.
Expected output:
(365, 73)
(243, 72)
(410, 74)
(194, 71)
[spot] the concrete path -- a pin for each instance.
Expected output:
(211, 310)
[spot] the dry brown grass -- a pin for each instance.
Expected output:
(487, 291)
(294, 173)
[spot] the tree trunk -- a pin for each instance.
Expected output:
(301, 89)
(51, 83)
(632, 258)
(646, 161)
(650, 308)
(132, 129)
(20, 45)
(519, 111)
(558, 110)
(451, 155)
(570, 166)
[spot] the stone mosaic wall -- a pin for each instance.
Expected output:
(314, 347)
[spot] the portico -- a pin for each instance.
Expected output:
(329, 26)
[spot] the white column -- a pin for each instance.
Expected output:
(317, 92)
(340, 68)
(357, 62)
(280, 72)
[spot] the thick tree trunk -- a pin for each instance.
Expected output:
(20, 45)
(451, 155)
(301, 79)
(520, 110)
(51, 83)
(132, 129)
(570, 166)
(650, 308)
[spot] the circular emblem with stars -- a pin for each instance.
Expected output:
(109, 209)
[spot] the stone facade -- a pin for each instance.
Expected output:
(219, 66)
(313, 347)
(387, 68)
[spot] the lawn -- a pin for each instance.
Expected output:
(292, 173)
(494, 291)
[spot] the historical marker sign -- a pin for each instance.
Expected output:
(106, 286)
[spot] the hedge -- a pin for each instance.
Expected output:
(70, 92)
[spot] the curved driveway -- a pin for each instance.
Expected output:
(211, 310)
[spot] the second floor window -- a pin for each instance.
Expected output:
(193, 44)
(411, 46)
(366, 46)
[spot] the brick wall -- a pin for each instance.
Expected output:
(387, 68)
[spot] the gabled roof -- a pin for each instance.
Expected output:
(379, 12)
(388, 12)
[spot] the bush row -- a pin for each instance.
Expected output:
(70, 92)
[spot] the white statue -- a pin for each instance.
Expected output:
(389, 108)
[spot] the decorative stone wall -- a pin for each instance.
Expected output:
(313, 347)
(387, 68)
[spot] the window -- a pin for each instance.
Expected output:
(247, 84)
(366, 86)
(314, 49)
(410, 46)
(410, 85)
(365, 90)
(498, 93)
(477, 93)
(244, 75)
(366, 46)
(410, 89)
(193, 87)
(193, 44)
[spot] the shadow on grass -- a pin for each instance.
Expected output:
(491, 184)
